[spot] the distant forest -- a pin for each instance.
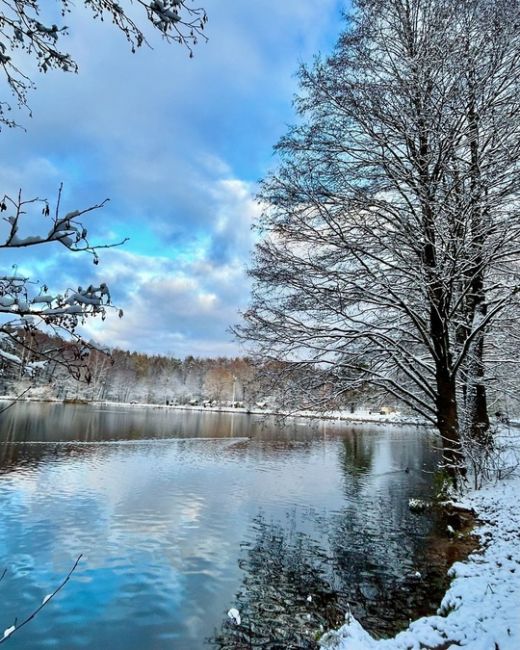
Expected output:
(123, 376)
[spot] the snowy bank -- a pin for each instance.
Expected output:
(481, 610)
(360, 416)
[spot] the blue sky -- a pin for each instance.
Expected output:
(178, 145)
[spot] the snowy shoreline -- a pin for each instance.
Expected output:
(359, 417)
(481, 609)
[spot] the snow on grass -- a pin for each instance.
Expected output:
(481, 609)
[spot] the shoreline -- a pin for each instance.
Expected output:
(359, 417)
(481, 608)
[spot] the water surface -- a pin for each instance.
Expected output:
(182, 515)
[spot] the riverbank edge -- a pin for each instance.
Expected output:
(360, 417)
(481, 609)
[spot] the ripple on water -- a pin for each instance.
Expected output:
(169, 527)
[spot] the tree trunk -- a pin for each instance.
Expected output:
(448, 423)
(476, 419)
(477, 424)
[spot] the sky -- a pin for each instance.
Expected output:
(178, 145)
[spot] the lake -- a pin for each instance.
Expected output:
(181, 515)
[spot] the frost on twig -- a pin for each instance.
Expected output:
(9, 631)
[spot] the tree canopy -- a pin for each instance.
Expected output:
(389, 237)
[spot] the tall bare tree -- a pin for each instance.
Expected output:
(388, 249)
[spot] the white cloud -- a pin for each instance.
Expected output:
(184, 304)
(178, 145)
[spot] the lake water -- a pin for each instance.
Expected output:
(181, 515)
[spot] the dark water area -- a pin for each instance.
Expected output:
(183, 515)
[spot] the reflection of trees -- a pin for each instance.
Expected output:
(53, 422)
(373, 564)
(281, 571)
(376, 543)
(374, 569)
(370, 573)
(20, 457)
(357, 452)
(365, 559)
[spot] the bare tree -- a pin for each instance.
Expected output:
(388, 247)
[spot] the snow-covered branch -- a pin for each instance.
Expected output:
(30, 26)
(29, 307)
(16, 626)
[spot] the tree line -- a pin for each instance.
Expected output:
(82, 371)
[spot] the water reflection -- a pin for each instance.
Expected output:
(286, 599)
(356, 457)
(179, 516)
(372, 556)
(51, 422)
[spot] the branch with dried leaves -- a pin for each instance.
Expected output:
(29, 307)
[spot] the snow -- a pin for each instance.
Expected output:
(234, 615)
(359, 417)
(44, 298)
(481, 609)
(26, 241)
(10, 357)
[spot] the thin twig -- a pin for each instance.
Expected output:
(15, 400)
(45, 601)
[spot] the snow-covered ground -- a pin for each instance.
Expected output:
(481, 609)
(359, 416)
